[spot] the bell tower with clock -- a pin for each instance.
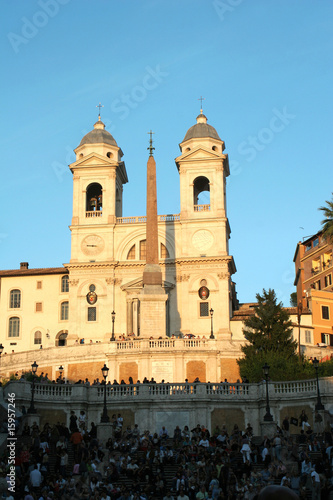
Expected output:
(204, 254)
(98, 178)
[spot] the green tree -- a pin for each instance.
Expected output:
(293, 299)
(327, 223)
(269, 335)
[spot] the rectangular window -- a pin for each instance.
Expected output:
(308, 336)
(38, 337)
(15, 299)
(328, 280)
(14, 327)
(64, 311)
(325, 312)
(308, 247)
(39, 285)
(204, 309)
(315, 242)
(39, 307)
(326, 338)
(64, 284)
(91, 313)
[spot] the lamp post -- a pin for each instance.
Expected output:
(61, 370)
(1, 351)
(113, 316)
(32, 408)
(211, 312)
(319, 405)
(105, 417)
(268, 417)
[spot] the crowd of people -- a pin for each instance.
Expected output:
(228, 463)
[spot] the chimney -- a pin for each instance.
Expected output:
(24, 265)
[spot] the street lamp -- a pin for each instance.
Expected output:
(32, 408)
(105, 417)
(1, 351)
(319, 405)
(113, 316)
(211, 312)
(268, 417)
(61, 370)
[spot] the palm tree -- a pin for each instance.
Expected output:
(327, 223)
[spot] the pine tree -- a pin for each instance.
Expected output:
(269, 336)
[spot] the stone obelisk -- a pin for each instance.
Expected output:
(153, 296)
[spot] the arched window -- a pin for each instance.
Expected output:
(164, 252)
(143, 250)
(201, 194)
(61, 338)
(15, 299)
(94, 198)
(64, 284)
(14, 327)
(64, 310)
(38, 337)
(131, 253)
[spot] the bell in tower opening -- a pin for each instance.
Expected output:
(94, 198)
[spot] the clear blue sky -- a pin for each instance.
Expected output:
(252, 60)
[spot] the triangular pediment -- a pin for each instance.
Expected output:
(137, 284)
(92, 160)
(200, 153)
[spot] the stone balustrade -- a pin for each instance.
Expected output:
(142, 219)
(176, 403)
(141, 392)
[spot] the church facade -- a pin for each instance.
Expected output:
(96, 298)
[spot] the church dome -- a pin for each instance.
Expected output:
(98, 135)
(201, 129)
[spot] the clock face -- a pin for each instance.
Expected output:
(202, 239)
(92, 244)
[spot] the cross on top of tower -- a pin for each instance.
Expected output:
(99, 110)
(150, 147)
(201, 99)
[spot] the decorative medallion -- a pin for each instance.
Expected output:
(203, 293)
(91, 297)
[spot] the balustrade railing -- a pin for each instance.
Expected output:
(225, 389)
(53, 390)
(161, 344)
(193, 343)
(143, 218)
(164, 344)
(295, 387)
(129, 344)
(67, 393)
(201, 208)
(94, 214)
